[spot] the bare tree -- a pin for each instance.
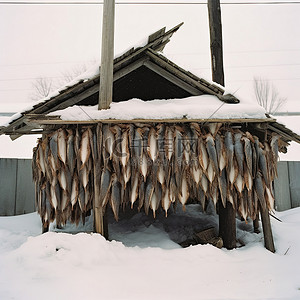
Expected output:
(41, 88)
(69, 75)
(267, 95)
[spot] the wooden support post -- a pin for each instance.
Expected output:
(227, 225)
(45, 227)
(107, 55)
(256, 225)
(267, 230)
(100, 220)
(215, 29)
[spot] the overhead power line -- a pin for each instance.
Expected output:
(143, 3)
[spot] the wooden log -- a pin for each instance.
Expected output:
(227, 225)
(107, 55)
(267, 230)
(215, 28)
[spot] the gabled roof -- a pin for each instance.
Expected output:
(139, 73)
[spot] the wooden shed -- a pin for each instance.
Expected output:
(83, 165)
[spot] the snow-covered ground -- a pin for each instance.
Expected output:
(144, 260)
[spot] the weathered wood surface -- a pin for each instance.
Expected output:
(107, 55)
(227, 225)
(24, 195)
(8, 171)
(16, 187)
(267, 230)
(48, 120)
(282, 188)
(215, 29)
(294, 178)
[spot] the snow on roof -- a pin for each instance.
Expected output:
(197, 107)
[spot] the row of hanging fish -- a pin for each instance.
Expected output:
(149, 166)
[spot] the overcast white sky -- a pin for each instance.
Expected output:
(45, 40)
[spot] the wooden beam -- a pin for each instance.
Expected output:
(172, 78)
(53, 120)
(227, 225)
(107, 55)
(215, 29)
(267, 229)
(181, 75)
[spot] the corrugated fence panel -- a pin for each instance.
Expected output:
(282, 187)
(294, 176)
(25, 202)
(8, 174)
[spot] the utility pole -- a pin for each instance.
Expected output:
(105, 98)
(227, 222)
(216, 48)
(107, 55)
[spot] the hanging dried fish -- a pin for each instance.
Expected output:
(184, 191)
(212, 153)
(211, 172)
(161, 141)
(169, 142)
(152, 144)
(53, 147)
(201, 197)
(74, 190)
(62, 145)
(108, 142)
(155, 165)
(221, 153)
(223, 186)
(134, 189)
(166, 200)
(161, 175)
(229, 146)
(243, 207)
(173, 190)
(214, 127)
(239, 152)
(239, 183)
(233, 173)
(248, 154)
(144, 166)
(126, 175)
(259, 189)
(138, 144)
(156, 199)
(105, 184)
(269, 198)
(85, 147)
(178, 151)
(71, 156)
(262, 162)
(148, 194)
(203, 156)
(141, 195)
(124, 149)
(214, 194)
(115, 199)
